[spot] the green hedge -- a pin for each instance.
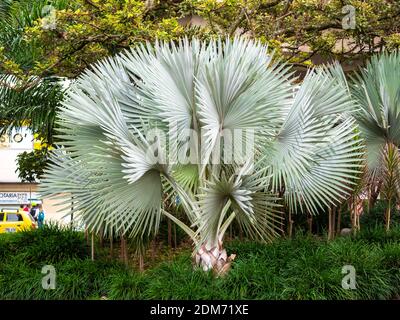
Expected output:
(305, 267)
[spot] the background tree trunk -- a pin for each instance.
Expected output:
(338, 227)
(154, 249)
(388, 211)
(169, 233)
(175, 239)
(101, 238)
(331, 222)
(121, 254)
(92, 247)
(374, 193)
(290, 222)
(309, 221)
(87, 236)
(111, 246)
(141, 261)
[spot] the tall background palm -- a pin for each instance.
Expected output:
(304, 149)
(375, 91)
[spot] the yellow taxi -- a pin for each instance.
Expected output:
(15, 221)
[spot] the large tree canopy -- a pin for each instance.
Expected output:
(67, 37)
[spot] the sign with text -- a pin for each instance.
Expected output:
(14, 197)
(17, 139)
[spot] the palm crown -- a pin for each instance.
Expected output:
(375, 94)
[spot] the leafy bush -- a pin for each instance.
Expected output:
(379, 235)
(306, 267)
(302, 268)
(376, 215)
(75, 280)
(48, 245)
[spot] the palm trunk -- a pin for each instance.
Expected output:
(353, 215)
(333, 220)
(290, 231)
(215, 258)
(141, 262)
(92, 246)
(124, 251)
(87, 236)
(175, 239)
(375, 190)
(121, 254)
(309, 220)
(111, 247)
(338, 228)
(101, 238)
(169, 233)
(153, 249)
(388, 211)
(330, 223)
(72, 212)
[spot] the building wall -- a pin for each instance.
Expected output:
(13, 192)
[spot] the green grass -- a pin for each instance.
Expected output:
(305, 267)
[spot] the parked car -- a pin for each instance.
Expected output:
(15, 221)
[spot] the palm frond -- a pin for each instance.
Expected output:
(35, 103)
(377, 91)
(316, 153)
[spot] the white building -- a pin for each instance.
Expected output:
(14, 192)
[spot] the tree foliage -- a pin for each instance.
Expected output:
(79, 32)
(31, 165)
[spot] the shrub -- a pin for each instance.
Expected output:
(75, 280)
(48, 245)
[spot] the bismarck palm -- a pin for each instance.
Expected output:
(304, 154)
